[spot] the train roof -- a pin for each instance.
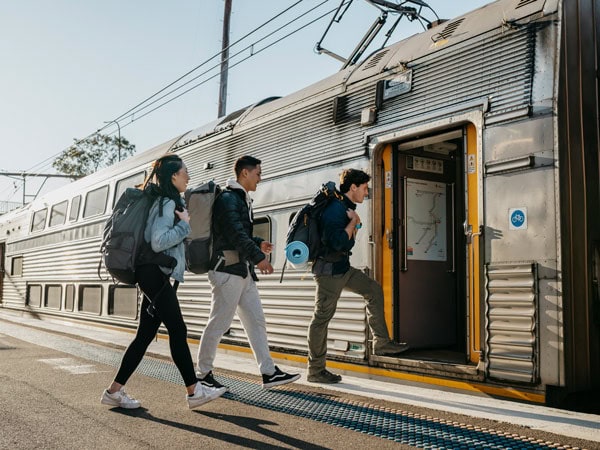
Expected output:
(460, 30)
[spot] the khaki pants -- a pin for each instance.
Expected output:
(329, 289)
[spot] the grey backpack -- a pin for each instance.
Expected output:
(198, 244)
(123, 246)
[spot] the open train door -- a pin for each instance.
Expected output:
(430, 258)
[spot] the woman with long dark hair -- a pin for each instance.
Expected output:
(166, 229)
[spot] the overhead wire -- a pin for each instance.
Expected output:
(45, 163)
(228, 59)
(231, 66)
(206, 61)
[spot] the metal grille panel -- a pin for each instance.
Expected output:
(500, 69)
(512, 322)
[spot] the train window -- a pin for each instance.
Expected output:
(34, 295)
(123, 301)
(16, 266)
(95, 202)
(90, 299)
(74, 212)
(128, 182)
(262, 229)
(53, 297)
(39, 220)
(58, 213)
(69, 297)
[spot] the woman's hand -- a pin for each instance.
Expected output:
(183, 215)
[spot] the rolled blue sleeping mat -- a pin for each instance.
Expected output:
(296, 252)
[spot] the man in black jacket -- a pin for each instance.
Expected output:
(339, 224)
(233, 279)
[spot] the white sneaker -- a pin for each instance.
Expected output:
(120, 399)
(204, 394)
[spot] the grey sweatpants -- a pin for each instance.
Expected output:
(231, 294)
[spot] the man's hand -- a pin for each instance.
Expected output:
(353, 225)
(265, 267)
(353, 216)
(266, 247)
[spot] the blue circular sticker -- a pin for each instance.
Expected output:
(517, 218)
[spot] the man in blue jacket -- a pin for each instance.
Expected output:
(339, 224)
(235, 253)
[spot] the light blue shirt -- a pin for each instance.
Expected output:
(166, 237)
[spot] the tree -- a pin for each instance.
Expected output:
(88, 155)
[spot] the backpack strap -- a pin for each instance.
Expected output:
(283, 271)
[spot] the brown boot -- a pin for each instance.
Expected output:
(390, 348)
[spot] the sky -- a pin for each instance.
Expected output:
(69, 66)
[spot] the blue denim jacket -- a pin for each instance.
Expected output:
(165, 237)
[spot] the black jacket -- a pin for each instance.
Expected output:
(233, 230)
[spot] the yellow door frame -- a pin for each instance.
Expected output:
(386, 259)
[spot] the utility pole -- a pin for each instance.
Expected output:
(224, 60)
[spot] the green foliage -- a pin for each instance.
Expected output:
(91, 154)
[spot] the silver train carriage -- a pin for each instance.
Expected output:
(482, 225)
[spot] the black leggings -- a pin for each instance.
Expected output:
(151, 280)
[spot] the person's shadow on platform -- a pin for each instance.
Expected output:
(251, 423)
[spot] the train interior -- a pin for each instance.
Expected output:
(430, 251)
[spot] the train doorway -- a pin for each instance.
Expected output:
(430, 251)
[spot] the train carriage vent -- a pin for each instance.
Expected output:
(374, 60)
(511, 322)
(448, 30)
(525, 3)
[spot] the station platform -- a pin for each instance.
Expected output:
(406, 413)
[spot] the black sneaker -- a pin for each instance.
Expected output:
(278, 378)
(324, 376)
(209, 381)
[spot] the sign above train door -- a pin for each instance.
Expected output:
(399, 84)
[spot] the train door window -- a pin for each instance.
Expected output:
(262, 229)
(34, 295)
(128, 182)
(95, 202)
(39, 220)
(90, 299)
(58, 214)
(53, 297)
(69, 297)
(74, 211)
(123, 301)
(16, 266)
